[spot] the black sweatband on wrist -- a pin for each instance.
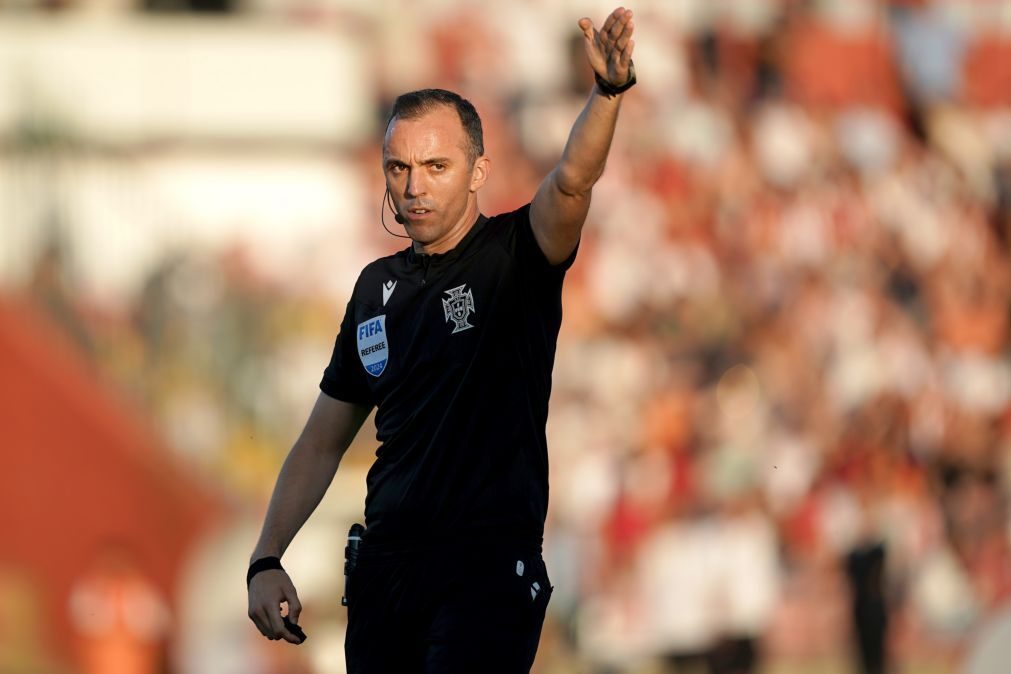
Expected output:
(262, 564)
(609, 89)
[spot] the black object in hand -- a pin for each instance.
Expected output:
(294, 629)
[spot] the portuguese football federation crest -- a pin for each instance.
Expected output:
(458, 307)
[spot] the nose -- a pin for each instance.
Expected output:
(415, 183)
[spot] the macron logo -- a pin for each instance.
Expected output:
(388, 291)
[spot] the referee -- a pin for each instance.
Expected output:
(453, 341)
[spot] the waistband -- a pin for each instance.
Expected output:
(460, 544)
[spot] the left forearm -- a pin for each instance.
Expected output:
(585, 154)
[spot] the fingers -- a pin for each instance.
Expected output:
(277, 630)
(266, 592)
(270, 625)
(610, 49)
(611, 19)
(616, 32)
(626, 55)
(294, 607)
(621, 17)
(291, 599)
(260, 620)
(622, 40)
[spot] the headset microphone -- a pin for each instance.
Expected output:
(388, 201)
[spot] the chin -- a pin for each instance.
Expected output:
(424, 233)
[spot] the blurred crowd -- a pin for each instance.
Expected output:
(780, 425)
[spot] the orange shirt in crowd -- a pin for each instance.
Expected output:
(121, 622)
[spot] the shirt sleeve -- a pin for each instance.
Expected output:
(344, 378)
(528, 251)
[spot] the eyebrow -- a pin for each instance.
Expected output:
(425, 162)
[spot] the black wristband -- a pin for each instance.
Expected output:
(609, 89)
(262, 564)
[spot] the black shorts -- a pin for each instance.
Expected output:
(436, 611)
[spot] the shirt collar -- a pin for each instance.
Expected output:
(415, 257)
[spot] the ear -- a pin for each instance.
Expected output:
(479, 174)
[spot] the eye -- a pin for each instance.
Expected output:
(396, 168)
(437, 167)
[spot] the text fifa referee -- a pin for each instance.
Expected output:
(453, 341)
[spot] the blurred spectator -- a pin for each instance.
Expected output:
(929, 47)
(865, 568)
(23, 644)
(122, 623)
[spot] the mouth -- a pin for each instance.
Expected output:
(417, 213)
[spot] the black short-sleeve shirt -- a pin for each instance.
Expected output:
(456, 351)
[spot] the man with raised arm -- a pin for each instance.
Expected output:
(453, 341)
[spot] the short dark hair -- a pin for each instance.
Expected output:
(414, 104)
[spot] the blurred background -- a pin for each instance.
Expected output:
(780, 432)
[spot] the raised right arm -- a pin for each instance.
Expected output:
(305, 476)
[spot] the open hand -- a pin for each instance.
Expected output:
(610, 49)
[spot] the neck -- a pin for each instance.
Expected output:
(454, 235)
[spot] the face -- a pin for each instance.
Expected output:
(430, 174)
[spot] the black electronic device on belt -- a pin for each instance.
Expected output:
(351, 556)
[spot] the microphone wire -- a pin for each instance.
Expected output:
(388, 201)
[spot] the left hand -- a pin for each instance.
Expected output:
(610, 49)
